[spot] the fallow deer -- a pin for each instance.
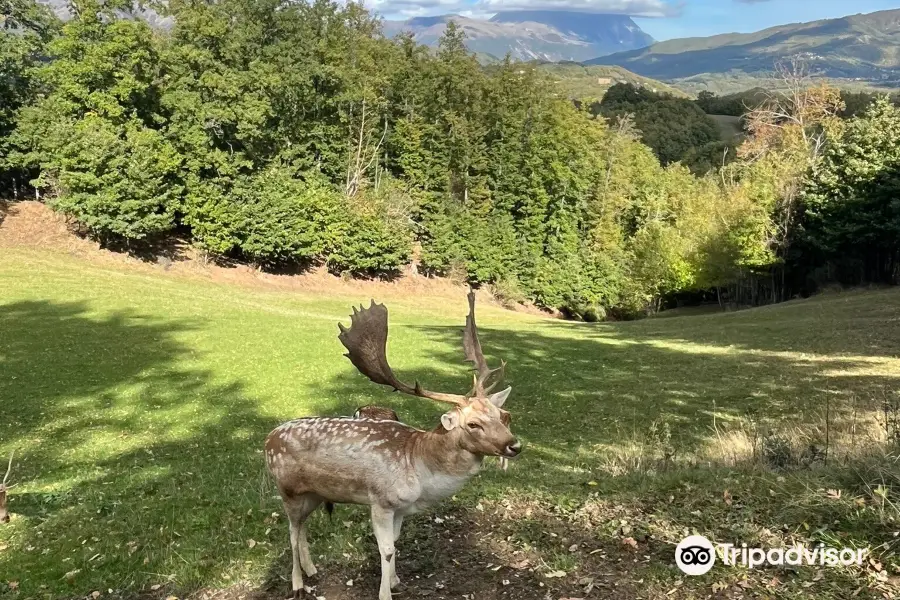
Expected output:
(4, 513)
(395, 469)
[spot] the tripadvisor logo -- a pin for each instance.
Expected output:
(696, 555)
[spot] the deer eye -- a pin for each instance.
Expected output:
(473, 425)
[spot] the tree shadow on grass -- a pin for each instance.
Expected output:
(133, 469)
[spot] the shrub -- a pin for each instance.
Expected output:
(117, 182)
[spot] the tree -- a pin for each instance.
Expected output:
(92, 132)
(851, 223)
(788, 135)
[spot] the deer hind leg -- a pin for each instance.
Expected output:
(398, 524)
(383, 526)
(298, 509)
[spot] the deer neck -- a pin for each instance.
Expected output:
(440, 451)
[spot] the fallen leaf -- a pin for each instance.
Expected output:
(13, 585)
(630, 541)
(573, 548)
(553, 574)
(349, 583)
(155, 587)
(95, 594)
(251, 543)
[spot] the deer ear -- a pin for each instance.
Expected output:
(450, 420)
(500, 397)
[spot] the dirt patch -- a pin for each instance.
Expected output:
(31, 224)
(462, 554)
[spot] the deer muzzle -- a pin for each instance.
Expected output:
(512, 450)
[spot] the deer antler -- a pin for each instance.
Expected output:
(472, 349)
(8, 469)
(366, 344)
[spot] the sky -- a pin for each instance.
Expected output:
(710, 17)
(663, 19)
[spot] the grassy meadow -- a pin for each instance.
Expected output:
(137, 402)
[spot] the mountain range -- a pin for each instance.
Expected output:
(863, 48)
(533, 34)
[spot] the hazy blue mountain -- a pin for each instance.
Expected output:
(865, 48)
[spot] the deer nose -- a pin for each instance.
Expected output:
(513, 450)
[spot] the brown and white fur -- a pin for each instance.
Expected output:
(395, 469)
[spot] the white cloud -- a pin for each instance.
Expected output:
(635, 8)
(485, 8)
(417, 8)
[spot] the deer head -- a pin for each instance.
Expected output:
(4, 514)
(477, 423)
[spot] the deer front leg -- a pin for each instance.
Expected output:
(383, 526)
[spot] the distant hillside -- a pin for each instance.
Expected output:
(533, 35)
(580, 81)
(864, 49)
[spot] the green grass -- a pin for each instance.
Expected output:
(137, 403)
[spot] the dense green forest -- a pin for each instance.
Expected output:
(292, 134)
(676, 129)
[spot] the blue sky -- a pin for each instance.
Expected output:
(663, 19)
(709, 17)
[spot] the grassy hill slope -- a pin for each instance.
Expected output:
(137, 401)
(583, 81)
